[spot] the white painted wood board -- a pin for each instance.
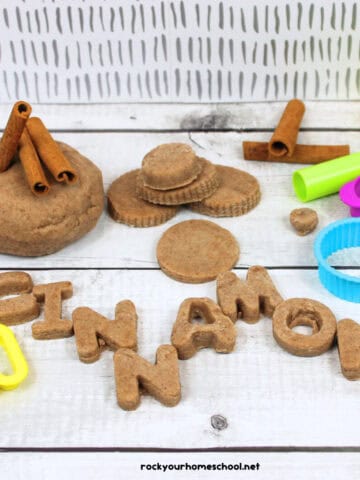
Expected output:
(269, 397)
(174, 116)
(115, 465)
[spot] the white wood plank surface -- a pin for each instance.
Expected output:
(269, 397)
(280, 466)
(116, 245)
(224, 116)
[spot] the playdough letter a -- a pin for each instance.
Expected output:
(217, 331)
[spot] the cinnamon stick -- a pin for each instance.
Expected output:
(12, 133)
(50, 152)
(305, 154)
(283, 141)
(33, 170)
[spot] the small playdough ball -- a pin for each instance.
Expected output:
(304, 220)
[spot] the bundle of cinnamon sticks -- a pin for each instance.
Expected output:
(38, 151)
(282, 146)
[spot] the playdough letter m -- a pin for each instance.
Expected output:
(246, 299)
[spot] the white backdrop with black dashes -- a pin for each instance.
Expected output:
(178, 51)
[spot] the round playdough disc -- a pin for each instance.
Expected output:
(126, 207)
(168, 166)
(203, 186)
(32, 226)
(196, 251)
(237, 193)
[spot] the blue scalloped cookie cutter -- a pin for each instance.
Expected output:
(338, 236)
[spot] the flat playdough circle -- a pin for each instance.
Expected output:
(237, 193)
(32, 226)
(126, 207)
(170, 165)
(203, 186)
(197, 251)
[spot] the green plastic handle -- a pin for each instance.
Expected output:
(325, 178)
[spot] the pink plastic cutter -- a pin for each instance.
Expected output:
(350, 195)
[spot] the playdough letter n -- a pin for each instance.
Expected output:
(160, 380)
(93, 331)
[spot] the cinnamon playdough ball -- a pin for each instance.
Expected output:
(32, 226)
(304, 220)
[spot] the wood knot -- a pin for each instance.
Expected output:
(218, 422)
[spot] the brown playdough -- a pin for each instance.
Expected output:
(19, 309)
(245, 300)
(304, 220)
(348, 340)
(168, 166)
(217, 332)
(196, 251)
(203, 186)
(126, 207)
(33, 226)
(53, 326)
(160, 380)
(237, 193)
(303, 311)
(90, 327)
(15, 282)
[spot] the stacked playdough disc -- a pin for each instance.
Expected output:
(172, 175)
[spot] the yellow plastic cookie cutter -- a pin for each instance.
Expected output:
(16, 358)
